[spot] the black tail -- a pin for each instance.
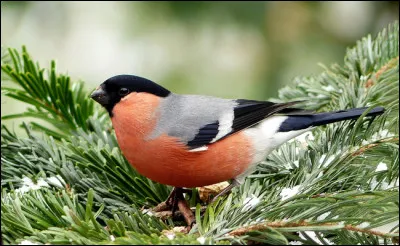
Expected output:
(300, 122)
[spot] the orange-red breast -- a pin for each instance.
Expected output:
(194, 140)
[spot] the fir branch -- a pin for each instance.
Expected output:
(65, 218)
(55, 100)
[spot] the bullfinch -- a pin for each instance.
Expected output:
(195, 140)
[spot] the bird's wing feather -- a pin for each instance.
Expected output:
(246, 113)
(198, 121)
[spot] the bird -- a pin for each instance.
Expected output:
(188, 141)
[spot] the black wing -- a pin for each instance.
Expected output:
(246, 114)
(250, 112)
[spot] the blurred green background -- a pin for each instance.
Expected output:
(225, 49)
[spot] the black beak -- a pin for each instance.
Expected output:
(100, 96)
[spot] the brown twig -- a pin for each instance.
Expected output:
(383, 69)
(161, 207)
(371, 145)
(277, 224)
(372, 232)
(363, 149)
(274, 224)
(165, 214)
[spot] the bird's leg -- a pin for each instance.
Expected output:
(176, 201)
(173, 198)
(227, 189)
(183, 190)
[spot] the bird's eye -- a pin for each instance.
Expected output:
(123, 91)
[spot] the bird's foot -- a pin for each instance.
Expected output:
(176, 201)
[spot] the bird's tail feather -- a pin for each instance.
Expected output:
(300, 122)
(350, 114)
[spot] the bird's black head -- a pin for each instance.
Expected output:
(113, 89)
